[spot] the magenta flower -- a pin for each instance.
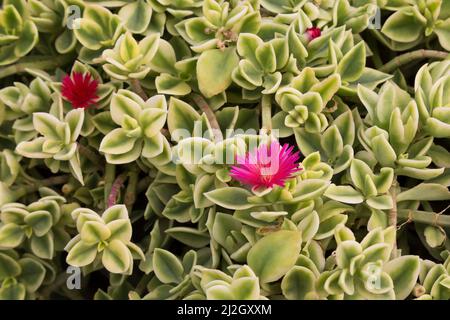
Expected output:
(266, 166)
(313, 33)
(80, 90)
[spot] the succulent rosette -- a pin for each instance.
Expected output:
(18, 33)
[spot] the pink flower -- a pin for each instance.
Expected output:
(80, 90)
(266, 166)
(313, 33)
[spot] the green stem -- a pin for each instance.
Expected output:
(410, 56)
(26, 176)
(378, 63)
(36, 62)
(34, 186)
(165, 133)
(392, 217)
(430, 218)
(201, 103)
(110, 175)
(35, 173)
(137, 87)
(73, 294)
(57, 180)
(381, 38)
(142, 284)
(130, 193)
(393, 211)
(95, 158)
(266, 112)
(52, 181)
(143, 184)
(59, 281)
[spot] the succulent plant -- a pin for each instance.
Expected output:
(427, 17)
(58, 141)
(370, 187)
(220, 24)
(41, 225)
(99, 29)
(21, 102)
(140, 124)
(335, 144)
(260, 63)
(16, 282)
(142, 17)
(303, 100)
(174, 76)
(104, 239)
(215, 35)
(56, 17)
(391, 138)
(129, 59)
(434, 278)
(363, 270)
(18, 33)
(243, 285)
(430, 86)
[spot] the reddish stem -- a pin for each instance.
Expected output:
(115, 189)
